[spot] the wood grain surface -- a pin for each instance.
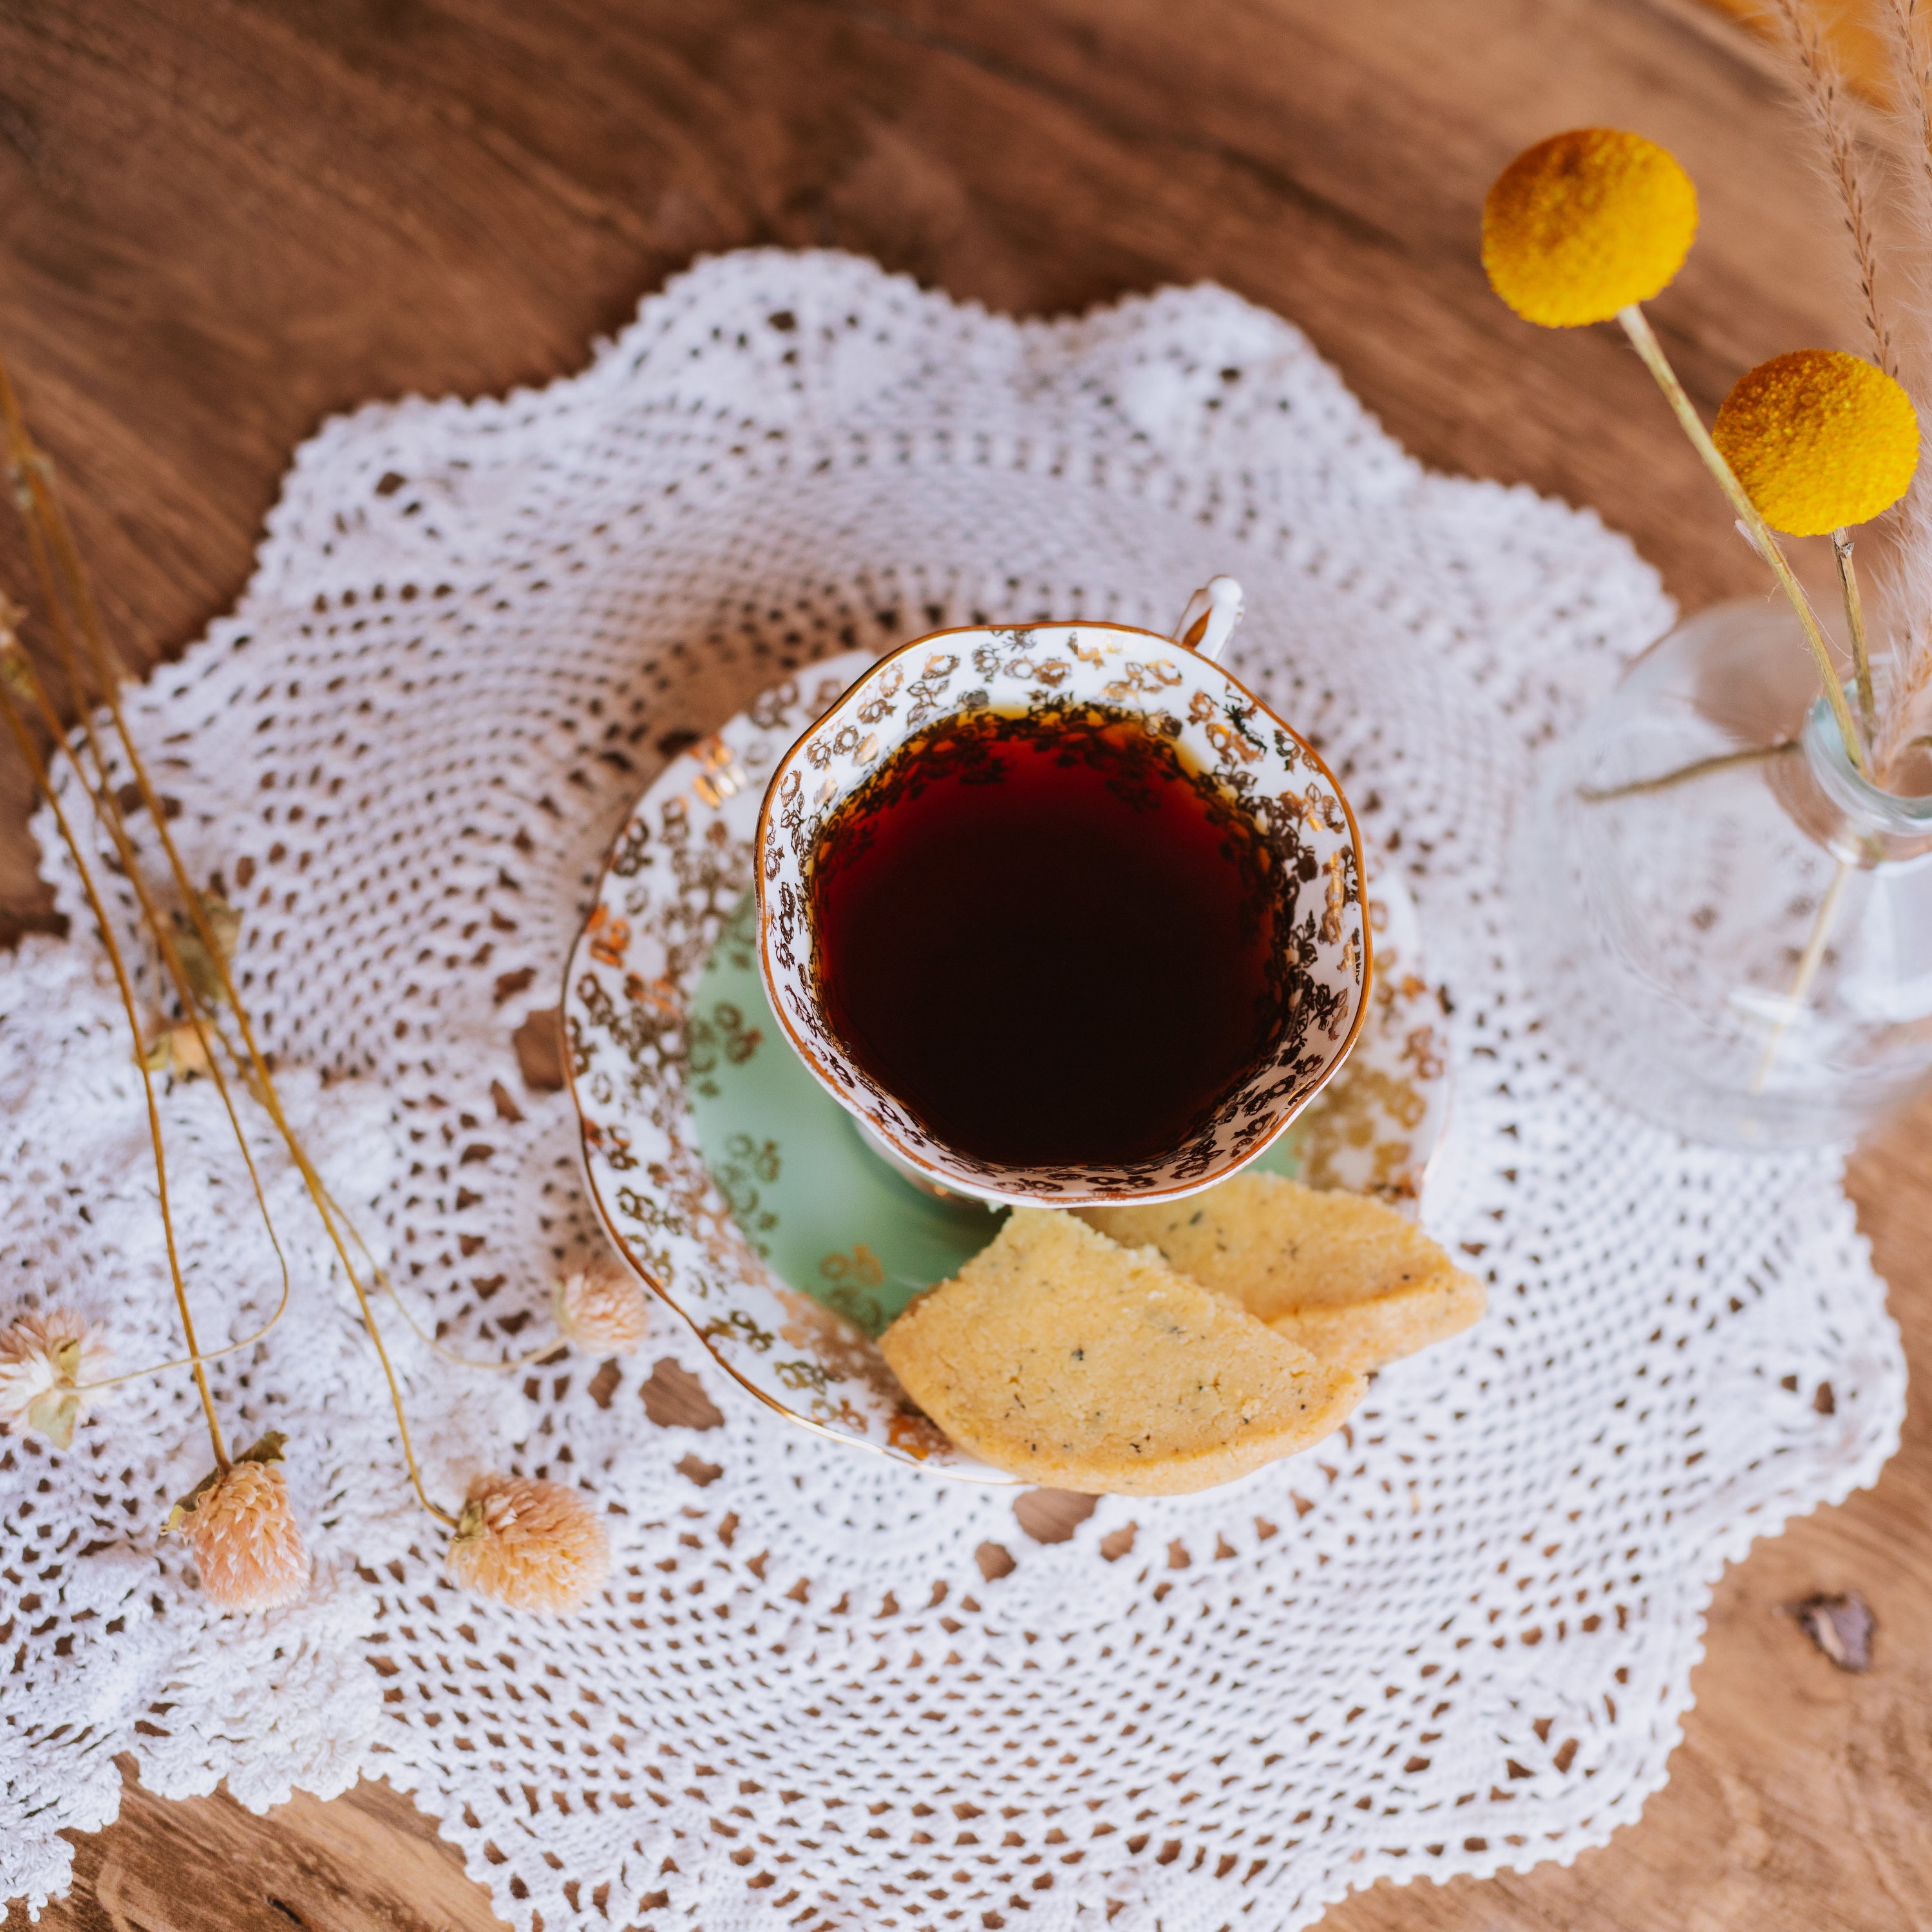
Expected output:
(219, 221)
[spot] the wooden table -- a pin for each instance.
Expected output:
(220, 220)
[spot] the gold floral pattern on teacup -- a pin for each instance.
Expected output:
(1043, 672)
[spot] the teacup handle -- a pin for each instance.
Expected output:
(1210, 619)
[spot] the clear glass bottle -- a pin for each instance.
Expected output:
(1728, 927)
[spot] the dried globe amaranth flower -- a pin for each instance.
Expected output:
(1582, 225)
(534, 1546)
(241, 1526)
(602, 1307)
(45, 1361)
(1819, 439)
(178, 1049)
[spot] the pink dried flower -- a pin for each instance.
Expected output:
(533, 1546)
(602, 1307)
(44, 1361)
(246, 1543)
(178, 1049)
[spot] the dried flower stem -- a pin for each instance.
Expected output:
(16, 671)
(26, 680)
(20, 669)
(556, 1346)
(1855, 621)
(1637, 327)
(1809, 961)
(320, 1196)
(64, 582)
(380, 1276)
(1700, 768)
(1906, 590)
(12, 657)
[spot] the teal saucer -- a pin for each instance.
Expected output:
(825, 1213)
(742, 1192)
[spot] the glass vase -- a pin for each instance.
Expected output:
(1728, 927)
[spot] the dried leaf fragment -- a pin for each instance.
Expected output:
(1841, 1626)
(205, 969)
(178, 1050)
(15, 666)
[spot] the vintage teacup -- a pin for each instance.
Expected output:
(1256, 765)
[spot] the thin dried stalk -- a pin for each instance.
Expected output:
(25, 681)
(1903, 589)
(380, 1276)
(1809, 961)
(65, 587)
(1821, 87)
(1855, 619)
(1701, 768)
(12, 656)
(1912, 111)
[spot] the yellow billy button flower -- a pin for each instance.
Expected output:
(1584, 224)
(1819, 440)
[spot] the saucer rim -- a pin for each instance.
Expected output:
(958, 1466)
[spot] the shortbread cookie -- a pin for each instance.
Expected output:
(1075, 1363)
(1347, 1278)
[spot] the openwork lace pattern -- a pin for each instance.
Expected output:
(823, 1689)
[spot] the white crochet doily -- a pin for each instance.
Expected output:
(823, 1690)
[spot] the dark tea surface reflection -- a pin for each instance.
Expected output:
(1051, 940)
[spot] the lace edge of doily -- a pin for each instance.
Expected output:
(340, 432)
